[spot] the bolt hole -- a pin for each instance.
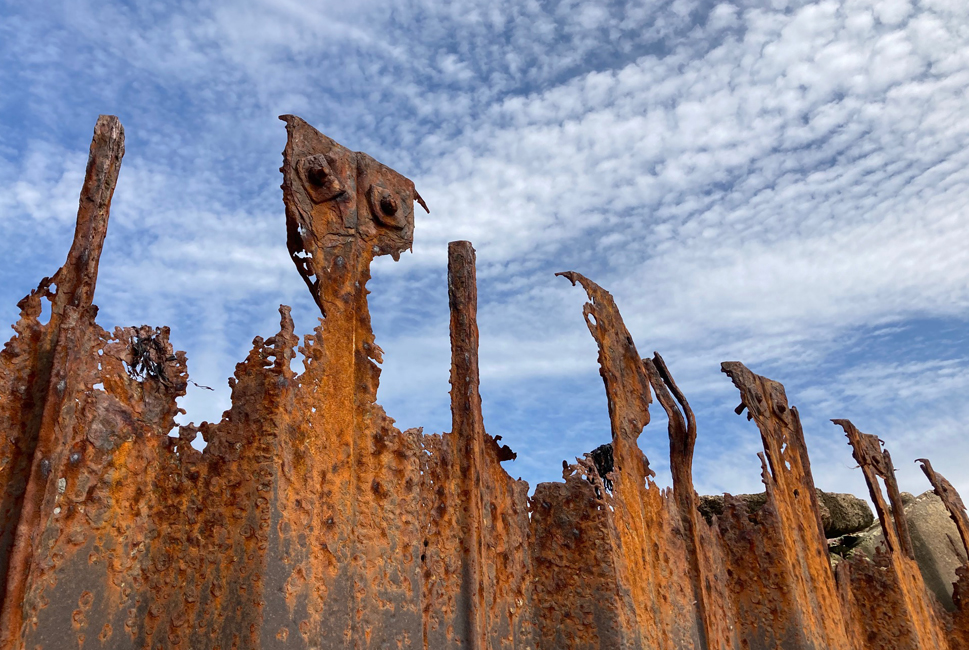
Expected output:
(388, 205)
(317, 175)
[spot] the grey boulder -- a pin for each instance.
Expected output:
(840, 513)
(846, 513)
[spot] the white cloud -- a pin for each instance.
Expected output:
(751, 181)
(45, 187)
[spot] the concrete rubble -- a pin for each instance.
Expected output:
(310, 521)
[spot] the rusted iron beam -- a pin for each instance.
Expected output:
(682, 435)
(343, 209)
(876, 463)
(43, 354)
(951, 499)
(798, 606)
(907, 615)
(660, 610)
(468, 448)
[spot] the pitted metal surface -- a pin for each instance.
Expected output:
(310, 521)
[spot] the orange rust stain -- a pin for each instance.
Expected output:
(309, 511)
(916, 620)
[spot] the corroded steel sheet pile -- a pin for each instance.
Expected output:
(310, 521)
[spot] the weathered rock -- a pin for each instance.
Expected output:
(840, 513)
(712, 505)
(935, 539)
(846, 513)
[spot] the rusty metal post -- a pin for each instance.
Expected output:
(951, 499)
(41, 430)
(467, 429)
(800, 606)
(682, 435)
(914, 623)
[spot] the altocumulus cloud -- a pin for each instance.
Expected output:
(783, 183)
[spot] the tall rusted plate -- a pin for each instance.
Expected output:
(890, 602)
(354, 535)
(650, 551)
(477, 589)
(791, 598)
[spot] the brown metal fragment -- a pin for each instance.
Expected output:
(798, 605)
(649, 545)
(951, 499)
(875, 463)
(41, 380)
(490, 517)
(907, 615)
(682, 434)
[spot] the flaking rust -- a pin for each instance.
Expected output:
(310, 521)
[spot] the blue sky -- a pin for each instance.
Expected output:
(781, 183)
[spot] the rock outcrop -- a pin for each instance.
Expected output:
(843, 513)
(840, 513)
